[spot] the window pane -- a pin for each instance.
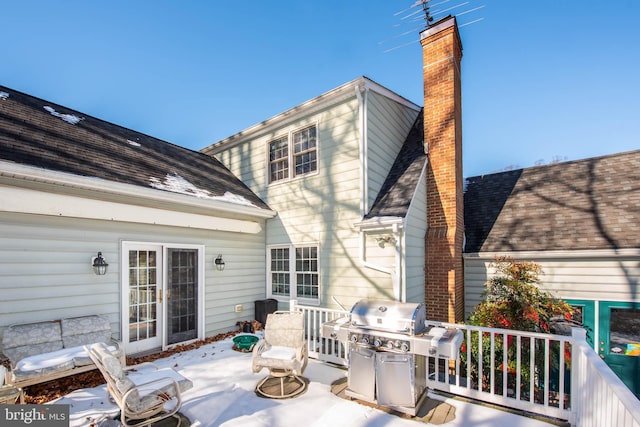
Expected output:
(625, 331)
(279, 159)
(142, 259)
(305, 162)
(307, 272)
(577, 316)
(304, 150)
(280, 272)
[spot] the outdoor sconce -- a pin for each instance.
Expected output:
(219, 262)
(382, 241)
(100, 265)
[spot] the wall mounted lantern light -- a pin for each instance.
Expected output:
(100, 265)
(219, 262)
(382, 241)
(386, 240)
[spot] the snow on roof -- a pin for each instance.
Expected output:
(4, 95)
(177, 184)
(69, 118)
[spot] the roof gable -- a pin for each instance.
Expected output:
(585, 204)
(400, 185)
(38, 133)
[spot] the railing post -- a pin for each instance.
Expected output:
(293, 305)
(578, 335)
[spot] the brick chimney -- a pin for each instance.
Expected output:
(444, 282)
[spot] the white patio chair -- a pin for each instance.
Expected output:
(284, 352)
(144, 393)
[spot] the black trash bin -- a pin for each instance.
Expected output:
(264, 307)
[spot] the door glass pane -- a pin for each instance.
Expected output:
(577, 316)
(182, 305)
(142, 295)
(624, 337)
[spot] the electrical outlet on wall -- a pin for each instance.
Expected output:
(238, 308)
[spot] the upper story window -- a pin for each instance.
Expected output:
(301, 153)
(279, 159)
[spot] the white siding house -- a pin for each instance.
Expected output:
(357, 132)
(580, 221)
(157, 213)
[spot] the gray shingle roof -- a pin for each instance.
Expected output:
(400, 184)
(586, 204)
(38, 133)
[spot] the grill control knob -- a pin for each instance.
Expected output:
(377, 342)
(404, 347)
(390, 345)
(354, 338)
(365, 340)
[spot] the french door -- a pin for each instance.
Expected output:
(160, 295)
(182, 295)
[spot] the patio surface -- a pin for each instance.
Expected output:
(223, 395)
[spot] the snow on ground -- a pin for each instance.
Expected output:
(223, 395)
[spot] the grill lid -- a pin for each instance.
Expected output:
(389, 316)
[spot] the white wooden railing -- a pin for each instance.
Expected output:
(326, 349)
(600, 398)
(531, 375)
(553, 375)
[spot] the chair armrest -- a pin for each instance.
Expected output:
(301, 352)
(3, 375)
(140, 365)
(148, 388)
(260, 347)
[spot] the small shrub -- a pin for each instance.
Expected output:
(512, 300)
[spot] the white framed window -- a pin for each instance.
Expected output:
(279, 159)
(298, 148)
(294, 272)
(304, 151)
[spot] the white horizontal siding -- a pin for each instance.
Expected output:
(323, 207)
(388, 125)
(599, 277)
(415, 230)
(45, 270)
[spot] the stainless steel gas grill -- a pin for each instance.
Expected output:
(388, 350)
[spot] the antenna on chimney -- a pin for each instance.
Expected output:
(427, 17)
(427, 10)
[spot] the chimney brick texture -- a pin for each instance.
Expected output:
(444, 281)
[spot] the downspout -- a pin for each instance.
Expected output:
(399, 285)
(395, 272)
(364, 175)
(364, 148)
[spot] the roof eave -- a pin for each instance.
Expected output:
(146, 196)
(379, 223)
(318, 103)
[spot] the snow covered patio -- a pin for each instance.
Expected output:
(223, 395)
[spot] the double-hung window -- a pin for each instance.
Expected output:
(299, 148)
(293, 272)
(279, 159)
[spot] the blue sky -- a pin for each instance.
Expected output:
(542, 80)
